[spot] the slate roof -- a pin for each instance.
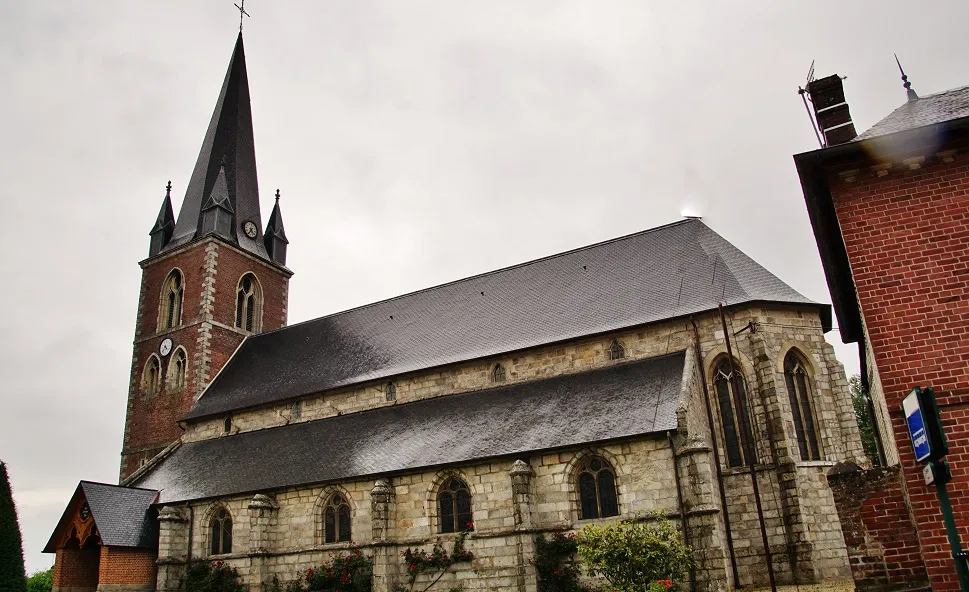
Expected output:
(123, 515)
(620, 401)
(667, 272)
(928, 110)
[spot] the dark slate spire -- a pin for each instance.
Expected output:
(161, 232)
(223, 194)
(908, 85)
(275, 235)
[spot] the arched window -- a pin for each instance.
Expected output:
(220, 529)
(616, 350)
(454, 505)
(249, 304)
(498, 373)
(227, 424)
(151, 377)
(597, 489)
(296, 411)
(172, 293)
(390, 391)
(802, 407)
(176, 370)
(732, 400)
(336, 520)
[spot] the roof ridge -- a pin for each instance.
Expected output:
(485, 274)
(942, 92)
(82, 481)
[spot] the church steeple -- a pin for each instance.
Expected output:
(275, 235)
(161, 232)
(223, 194)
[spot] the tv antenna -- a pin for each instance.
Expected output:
(804, 97)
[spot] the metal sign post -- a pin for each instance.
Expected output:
(929, 443)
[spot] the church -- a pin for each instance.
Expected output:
(664, 370)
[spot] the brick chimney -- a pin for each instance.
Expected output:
(831, 110)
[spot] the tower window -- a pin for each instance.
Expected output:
(172, 296)
(616, 350)
(597, 490)
(454, 504)
(390, 391)
(220, 530)
(802, 407)
(176, 370)
(734, 417)
(151, 377)
(249, 304)
(498, 373)
(336, 520)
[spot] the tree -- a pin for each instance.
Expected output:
(12, 575)
(41, 581)
(860, 401)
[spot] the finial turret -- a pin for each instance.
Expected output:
(912, 95)
(277, 196)
(168, 189)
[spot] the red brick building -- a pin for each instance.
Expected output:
(890, 212)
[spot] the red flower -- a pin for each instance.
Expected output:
(667, 583)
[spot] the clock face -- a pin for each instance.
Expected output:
(166, 346)
(250, 228)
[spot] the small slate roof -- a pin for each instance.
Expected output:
(123, 515)
(620, 401)
(928, 110)
(663, 273)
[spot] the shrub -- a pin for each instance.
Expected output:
(635, 555)
(419, 561)
(41, 581)
(555, 564)
(350, 573)
(202, 575)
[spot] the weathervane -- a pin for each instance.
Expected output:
(908, 85)
(242, 12)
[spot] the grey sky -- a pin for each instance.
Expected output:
(414, 143)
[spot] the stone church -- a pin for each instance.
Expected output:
(664, 370)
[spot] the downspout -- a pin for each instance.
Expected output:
(716, 450)
(680, 508)
(191, 527)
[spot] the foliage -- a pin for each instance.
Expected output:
(635, 555)
(202, 575)
(419, 561)
(555, 564)
(41, 581)
(350, 573)
(12, 575)
(859, 400)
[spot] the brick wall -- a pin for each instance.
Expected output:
(126, 566)
(905, 222)
(76, 570)
(882, 542)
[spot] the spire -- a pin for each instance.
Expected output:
(161, 232)
(908, 85)
(223, 194)
(275, 235)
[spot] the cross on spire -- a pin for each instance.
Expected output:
(168, 189)
(277, 195)
(242, 12)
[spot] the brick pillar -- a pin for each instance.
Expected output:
(521, 490)
(172, 547)
(704, 520)
(385, 559)
(263, 512)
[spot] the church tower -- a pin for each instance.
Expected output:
(213, 276)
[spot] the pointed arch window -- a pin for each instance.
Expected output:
(227, 424)
(151, 376)
(390, 392)
(454, 506)
(734, 416)
(802, 407)
(176, 370)
(296, 411)
(616, 350)
(172, 296)
(249, 304)
(597, 489)
(498, 373)
(220, 531)
(336, 520)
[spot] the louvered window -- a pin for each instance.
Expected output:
(248, 304)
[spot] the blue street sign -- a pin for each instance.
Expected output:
(916, 426)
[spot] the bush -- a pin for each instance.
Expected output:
(41, 581)
(351, 573)
(12, 575)
(555, 564)
(635, 556)
(202, 575)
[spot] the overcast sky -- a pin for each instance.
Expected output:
(414, 142)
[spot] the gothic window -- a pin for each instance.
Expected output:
(597, 489)
(173, 291)
(151, 377)
(176, 370)
(454, 506)
(297, 410)
(336, 520)
(390, 391)
(227, 424)
(220, 530)
(802, 407)
(498, 373)
(616, 350)
(249, 304)
(732, 401)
